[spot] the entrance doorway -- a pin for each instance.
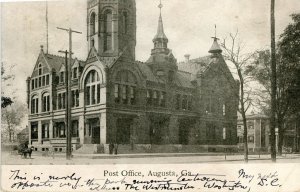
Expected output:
(92, 131)
(123, 130)
(185, 126)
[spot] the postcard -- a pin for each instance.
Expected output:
(160, 95)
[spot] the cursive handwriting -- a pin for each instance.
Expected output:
(185, 180)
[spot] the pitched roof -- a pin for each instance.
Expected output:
(195, 66)
(145, 69)
(56, 61)
(183, 79)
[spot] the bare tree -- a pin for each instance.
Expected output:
(233, 52)
(11, 117)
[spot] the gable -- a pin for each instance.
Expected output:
(92, 56)
(219, 75)
(42, 65)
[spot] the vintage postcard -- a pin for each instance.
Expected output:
(150, 95)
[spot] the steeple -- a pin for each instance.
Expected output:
(215, 48)
(160, 40)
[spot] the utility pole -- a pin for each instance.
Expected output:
(68, 94)
(273, 84)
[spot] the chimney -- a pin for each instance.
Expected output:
(187, 58)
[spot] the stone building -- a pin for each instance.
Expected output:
(158, 103)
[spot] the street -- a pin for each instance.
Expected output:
(59, 159)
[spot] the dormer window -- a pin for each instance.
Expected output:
(62, 77)
(75, 73)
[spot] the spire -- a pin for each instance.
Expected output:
(160, 35)
(215, 48)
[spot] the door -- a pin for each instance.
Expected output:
(96, 135)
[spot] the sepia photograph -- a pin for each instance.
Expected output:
(162, 84)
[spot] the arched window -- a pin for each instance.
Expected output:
(93, 24)
(34, 104)
(40, 69)
(92, 88)
(125, 22)
(46, 102)
(108, 30)
(125, 88)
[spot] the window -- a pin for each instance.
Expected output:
(75, 70)
(43, 80)
(108, 30)
(189, 102)
(224, 133)
(124, 94)
(241, 139)
(75, 98)
(162, 99)
(155, 98)
(40, 69)
(224, 109)
(62, 77)
(32, 84)
(47, 79)
(117, 93)
(61, 130)
(125, 88)
(34, 130)
(35, 83)
(46, 102)
(75, 132)
(149, 97)
(92, 43)
(45, 131)
(184, 102)
(125, 22)
(93, 24)
(40, 81)
(178, 97)
(61, 101)
(92, 88)
(34, 105)
(250, 139)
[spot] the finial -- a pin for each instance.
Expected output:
(42, 48)
(215, 31)
(215, 37)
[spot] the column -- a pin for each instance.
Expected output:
(81, 128)
(103, 128)
(103, 95)
(51, 129)
(39, 132)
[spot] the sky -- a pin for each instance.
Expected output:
(188, 24)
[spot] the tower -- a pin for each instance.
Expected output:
(111, 27)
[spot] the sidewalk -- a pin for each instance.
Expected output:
(148, 158)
